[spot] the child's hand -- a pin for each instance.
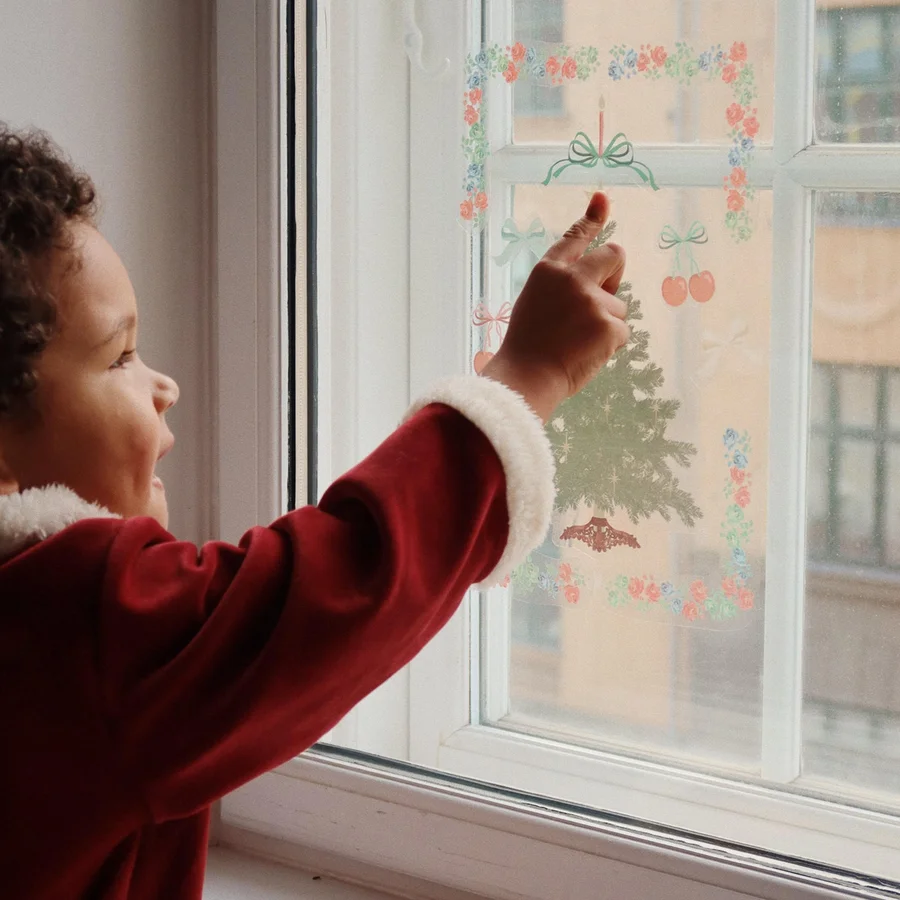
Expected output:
(567, 322)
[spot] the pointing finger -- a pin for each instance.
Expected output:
(571, 246)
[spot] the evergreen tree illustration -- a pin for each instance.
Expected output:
(610, 441)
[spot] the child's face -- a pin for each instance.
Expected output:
(101, 425)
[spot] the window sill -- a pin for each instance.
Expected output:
(231, 875)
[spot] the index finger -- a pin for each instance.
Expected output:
(571, 246)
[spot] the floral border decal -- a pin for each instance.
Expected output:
(700, 600)
(557, 65)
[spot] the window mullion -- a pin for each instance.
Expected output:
(788, 442)
(794, 67)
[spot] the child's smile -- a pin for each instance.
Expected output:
(99, 426)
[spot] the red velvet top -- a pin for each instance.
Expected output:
(142, 678)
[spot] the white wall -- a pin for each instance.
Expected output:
(124, 87)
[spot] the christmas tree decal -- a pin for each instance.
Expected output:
(610, 442)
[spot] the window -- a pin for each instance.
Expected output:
(731, 682)
(534, 25)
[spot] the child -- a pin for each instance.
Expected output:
(143, 677)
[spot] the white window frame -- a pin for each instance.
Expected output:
(365, 819)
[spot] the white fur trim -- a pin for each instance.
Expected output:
(29, 517)
(517, 434)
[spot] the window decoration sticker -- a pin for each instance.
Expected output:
(699, 598)
(730, 344)
(484, 318)
(556, 65)
(675, 288)
(534, 240)
(559, 581)
(631, 470)
(619, 152)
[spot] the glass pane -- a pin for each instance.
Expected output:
(856, 501)
(851, 721)
(857, 73)
(892, 504)
(820, 395)
(818, 487)
(893, 410)
(685, 71)
(857, 394)
(648, 637)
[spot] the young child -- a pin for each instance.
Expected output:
(144, 677)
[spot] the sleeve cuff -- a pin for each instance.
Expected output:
(517, 435)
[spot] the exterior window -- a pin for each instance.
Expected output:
(537, 23)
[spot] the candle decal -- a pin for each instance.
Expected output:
(601, 109)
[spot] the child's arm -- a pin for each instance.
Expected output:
(220, 665)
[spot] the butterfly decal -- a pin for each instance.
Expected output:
(599, 535)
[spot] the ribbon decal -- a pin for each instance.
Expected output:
(619, 152)
(483, 317)
(733, 343)
(534, 239)
(670, 238)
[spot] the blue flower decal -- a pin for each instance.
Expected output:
(734, 157)
(667, 588)
(739, 460)
(615, 70)
(705, 61)
(530, 55)
(631, 59)
(481, 60)
(739, 557)
(676, 603)
(546, 583)
(747, 144)
(476, 79)
(730, 438)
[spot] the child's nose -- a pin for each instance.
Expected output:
(166, 393)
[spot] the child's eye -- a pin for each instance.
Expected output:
(126, 357)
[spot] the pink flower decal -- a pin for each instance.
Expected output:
(745, 598)
(467, 209)
(565, 573)
(475, 96)
(742, 497)
(471, 115)
(751, 126)
(552, 66)
(653, 592)
(572, 593)
(636, 587)
(511, 73)
(481, 200)
(738, 51)
(569, 69)
(505, 582)
(734, 114)
(738, 475)
(735, 201)
(698, 590)
(729, 587)
(659, 55)
(729, 73)
(517, 52)
(690, 611)
(738, 176)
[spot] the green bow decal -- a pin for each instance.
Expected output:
(670, 238)
(619, 152)
(534, 239)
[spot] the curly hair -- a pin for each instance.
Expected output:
(41, 194)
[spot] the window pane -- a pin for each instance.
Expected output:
(655, 648)
(668, 72)
(892, 511)
(851, 722)
(818, 486)
(857, 397)
(857, 74)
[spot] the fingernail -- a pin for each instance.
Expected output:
(595, 207)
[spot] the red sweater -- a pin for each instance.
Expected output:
(143, 678)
